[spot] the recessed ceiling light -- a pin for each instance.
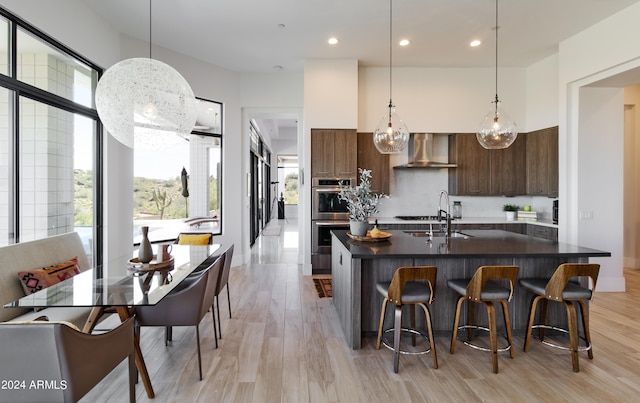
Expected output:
(278, 68)
(404, 42)
(475, 42)
(282, 26)
(333, 40)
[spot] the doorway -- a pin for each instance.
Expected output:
(287, 186)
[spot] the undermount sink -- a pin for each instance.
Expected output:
(438, 234)
(418, 217)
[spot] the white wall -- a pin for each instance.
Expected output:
(439, 100)
(72, 23)
(600, 184)
(601, 51)
(542, 94)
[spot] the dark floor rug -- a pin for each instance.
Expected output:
(323, 286)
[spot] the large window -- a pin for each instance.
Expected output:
(49, 139)
(182, 183)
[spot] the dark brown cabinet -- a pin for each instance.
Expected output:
(543, 232)
(370, 158)
(472, 176)
(483, 172)
(334, 153)
(508, 173)
(542, 162)
(518, 228)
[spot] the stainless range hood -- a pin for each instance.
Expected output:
(421, 153)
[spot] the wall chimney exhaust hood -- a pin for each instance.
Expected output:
(421, 153)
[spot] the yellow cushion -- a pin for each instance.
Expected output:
(190, 239)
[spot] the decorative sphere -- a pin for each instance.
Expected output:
(145, 103)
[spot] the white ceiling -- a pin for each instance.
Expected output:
(246, 35)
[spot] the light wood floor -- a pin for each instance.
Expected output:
(284, 344)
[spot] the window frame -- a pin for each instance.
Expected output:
(219, 135)
(20, 89)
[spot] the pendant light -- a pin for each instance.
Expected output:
(391, 135)
(146, 104)
(497, 130)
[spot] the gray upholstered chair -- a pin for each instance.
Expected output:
(185, 306)
(411, 285)
(484, 287)
(224, 282)
(559, 288)
(69, 361)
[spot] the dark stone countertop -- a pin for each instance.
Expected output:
(481, 243)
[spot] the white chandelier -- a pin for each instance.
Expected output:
(145, 103)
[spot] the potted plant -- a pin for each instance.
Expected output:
(510, 210)
(361, 203)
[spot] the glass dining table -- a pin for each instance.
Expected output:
(122, 286)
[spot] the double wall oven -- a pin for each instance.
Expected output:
(328, 212)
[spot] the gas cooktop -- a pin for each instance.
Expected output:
(418, 217)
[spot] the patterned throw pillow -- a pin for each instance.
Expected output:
(37, 279)
(192, 239)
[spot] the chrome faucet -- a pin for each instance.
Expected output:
(447, 215)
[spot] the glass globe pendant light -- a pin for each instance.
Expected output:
(497, 130)
(146, 104)
(391, 135)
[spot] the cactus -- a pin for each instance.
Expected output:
(161, 200)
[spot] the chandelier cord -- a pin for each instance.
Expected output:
(150, 30)
(390, 54)
(496, 56)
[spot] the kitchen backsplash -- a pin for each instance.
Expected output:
(417, 192)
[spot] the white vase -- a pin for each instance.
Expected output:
(511, 215)
(358, 228)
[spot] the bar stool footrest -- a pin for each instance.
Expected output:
(477, 347)
(585, 347)
(406, 330)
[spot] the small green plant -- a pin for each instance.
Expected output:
(510, 207)
(161, 200)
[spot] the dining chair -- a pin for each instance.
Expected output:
(559, 288)
(224, 282)
(185, 306)
(53, 361)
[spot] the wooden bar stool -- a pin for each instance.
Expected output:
(483, 288)
(411, 285)
(560, 289)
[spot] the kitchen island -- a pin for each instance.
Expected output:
(357, 266)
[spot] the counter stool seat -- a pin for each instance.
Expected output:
(411, 285)
(491, 290)
(413, 292)
(571, 291)
(485, 288)
(559, 288)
